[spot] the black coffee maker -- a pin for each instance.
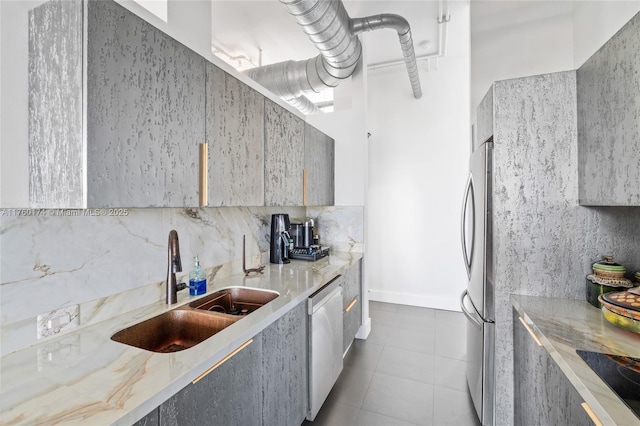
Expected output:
(280, 226)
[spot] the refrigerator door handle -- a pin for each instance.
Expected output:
(468, 194)
(468, 314)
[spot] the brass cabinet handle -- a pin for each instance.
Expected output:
(591, 414)
(204, 174)
(350, 305)
(304, 186)
(222, 361)
(530, 331)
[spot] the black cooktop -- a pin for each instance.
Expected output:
(621, 374)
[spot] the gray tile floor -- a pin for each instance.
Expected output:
(410, 371)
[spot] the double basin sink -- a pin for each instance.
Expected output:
(185, 327)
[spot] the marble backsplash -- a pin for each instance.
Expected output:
(109, 265)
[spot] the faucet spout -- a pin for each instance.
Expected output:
(174, 265)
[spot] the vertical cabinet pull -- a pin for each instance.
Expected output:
(591, 414)
(350, 305)
(530, 331)
(304, 187)
(222, 361)
(204, 174)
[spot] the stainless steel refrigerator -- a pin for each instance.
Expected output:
(477, 300)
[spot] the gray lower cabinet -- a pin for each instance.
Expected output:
(543, 394)
(319, 161)
(284, 367)
(263, 384)
(151, 419)
(229, 395)
(352, 303)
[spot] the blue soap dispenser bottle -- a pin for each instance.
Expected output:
(197, 280)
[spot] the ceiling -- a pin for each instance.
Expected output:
(243, 28)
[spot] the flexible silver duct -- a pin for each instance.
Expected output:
(326, 23)
(398, 23)
(328, 26)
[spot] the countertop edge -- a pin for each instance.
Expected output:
(249, 333)
(132, 394)
(582, 379)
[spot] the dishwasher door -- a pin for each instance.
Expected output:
(325, 348)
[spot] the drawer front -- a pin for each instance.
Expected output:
(351, 320)
(351, 284)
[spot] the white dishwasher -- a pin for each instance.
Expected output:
(325, 345)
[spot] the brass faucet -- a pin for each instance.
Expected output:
(174, 265)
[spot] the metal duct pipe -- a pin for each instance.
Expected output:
(326, 23)
(328, 26)
(398, 23)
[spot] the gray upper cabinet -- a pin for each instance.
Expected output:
(608, 92)
(284, 156)
(235, 133)
(144, 103)
(117, 120)
(55, 106)
(319, 153)
(145, 113)
(484, 120)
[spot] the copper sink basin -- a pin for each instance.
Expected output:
(173, 331)
(235, 300)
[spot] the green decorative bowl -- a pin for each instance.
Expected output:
(607, 268)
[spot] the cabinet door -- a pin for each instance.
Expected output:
(284, 365)
(151, 419)
(145, 113)
(229, 395)
(319, 163)
(543, 394)
(235, 133)
(56, 169)
(352, 319)
(284, 156)
(608, 97)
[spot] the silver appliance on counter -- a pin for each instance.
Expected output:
(325, 343)
(477, 300)
(302, 233)
(305, 242)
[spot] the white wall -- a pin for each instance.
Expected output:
(511, 39)
(348, 126)
(595, 22)
(418, 160)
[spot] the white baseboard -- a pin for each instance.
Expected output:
(364, 330)
(425, 301)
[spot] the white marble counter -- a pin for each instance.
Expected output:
(564, 325)
(83, 377)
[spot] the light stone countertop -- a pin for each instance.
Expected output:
(83, 377)
(564, 325)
